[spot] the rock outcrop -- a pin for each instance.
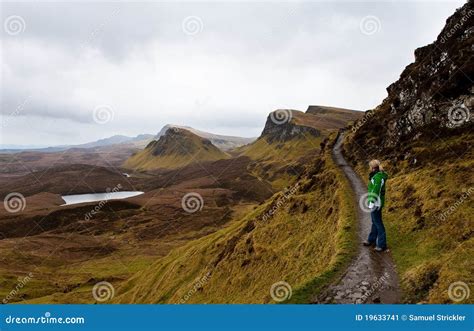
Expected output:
(286, 124)
(433, 96)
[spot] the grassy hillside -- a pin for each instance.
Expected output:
(175, 149)
(303, 236)
(293, 139)
(279, 163)
(429, 217)
(423, 131)
(333, 118)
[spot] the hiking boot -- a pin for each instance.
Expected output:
(368, 244)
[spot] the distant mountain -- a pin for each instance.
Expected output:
(224, 143)
(4, 148)
(139, 141)
(116, 140)
(176, 148)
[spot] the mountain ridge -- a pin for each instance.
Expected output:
(139, 141)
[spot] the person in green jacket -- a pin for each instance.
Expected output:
(376, 200)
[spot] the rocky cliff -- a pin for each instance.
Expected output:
(423, 134)
(432, 98)
(286, 124)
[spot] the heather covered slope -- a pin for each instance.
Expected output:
(175, 149)
(423, 133)
(302, 236)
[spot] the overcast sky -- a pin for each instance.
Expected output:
(77, 72)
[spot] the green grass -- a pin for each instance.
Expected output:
(431, 253)
(73, 283)
(308, 243)
(276, 160)
(346, 244)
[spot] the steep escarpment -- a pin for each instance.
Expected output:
(175, 149)
(290, 139)
(423, 133)
(287, 124)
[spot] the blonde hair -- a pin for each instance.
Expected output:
(375, 164)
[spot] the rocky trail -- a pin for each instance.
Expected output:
(371, 277)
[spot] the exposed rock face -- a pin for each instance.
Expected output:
(434, 95)
(282, 125)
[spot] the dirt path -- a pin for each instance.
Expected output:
(371, 277)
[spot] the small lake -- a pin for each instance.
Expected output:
(92, 197)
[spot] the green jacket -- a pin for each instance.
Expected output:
(377, 182)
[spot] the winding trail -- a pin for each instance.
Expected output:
(371, 277)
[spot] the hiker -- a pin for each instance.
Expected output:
(376, 200)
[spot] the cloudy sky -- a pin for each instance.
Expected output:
(77, 72)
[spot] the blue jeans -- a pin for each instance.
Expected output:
(377, 233)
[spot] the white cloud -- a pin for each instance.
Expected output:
(248, 60)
